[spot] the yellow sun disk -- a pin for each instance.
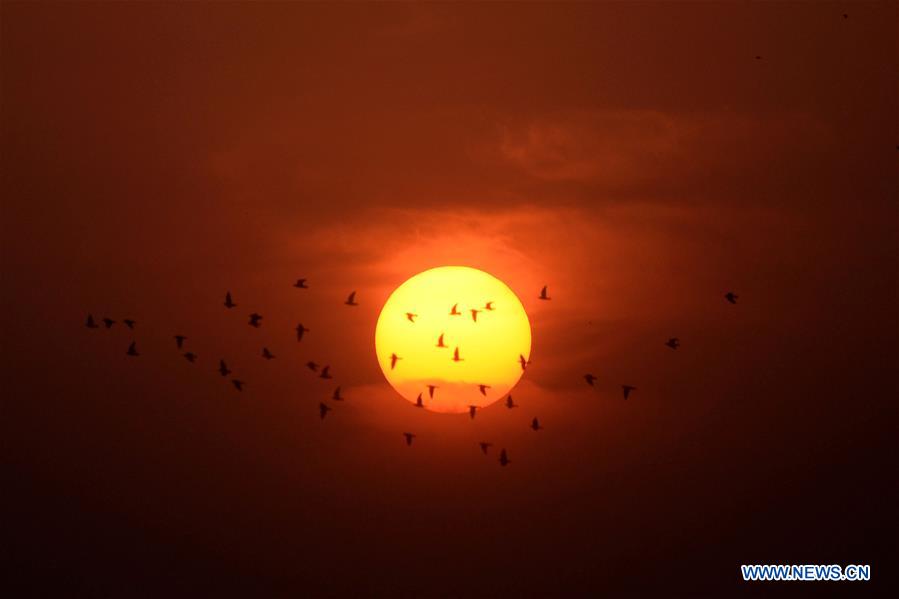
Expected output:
(489, 348)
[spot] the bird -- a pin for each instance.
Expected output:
(337, 396)
(418, 402)
(351, 300)
(129, 323)
(132, 350)
(485, 446)
(543, 295)
(509, 403)
(731, 297)
(93, 325)
(393, 360)
(431, 389)
(254, 320)
(312, 366)
(108, 322)
(191, 357)
(326, 372)
(223, 368)
(627, 390)
(590, 379)
(472, 410)
(179, 341)
(673, 343)
(411, 317)
(267, 354)
(455, 310)
(483, 389)
(229, 303)
(323, 410)
(503, 458)
(456, 357)
(845, 16)
(440, 342)
(535, 424)
(489, 306)
(301, 284)
(757, 57)
(238, 384)
(522, 361)
(474, 314)
(301, 330)
(409, 437)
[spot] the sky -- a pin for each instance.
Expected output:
(640, 159)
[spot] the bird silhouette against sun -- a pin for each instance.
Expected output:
(460, 362)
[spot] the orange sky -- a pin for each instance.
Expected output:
(636, 158)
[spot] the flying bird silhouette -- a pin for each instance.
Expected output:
(301, 284)
(489, 306)
(267, 354)
(323, 410)
(191, 357)
(483, 389)
(238, 384)
(456, 357)
(132, 349)
(627, 390)
(351, 300)
(543, 295)
(503, 458)
(522, 361)
(326, 373)
(223, 368)
(474, 314)
(129, 323)
(418, 402)
(455, 310)
(472, 410)
(431, 389)
(731, 297)
(393, 360)
(179, 341)
(337, 396)
(93, 325)
(509, 403)
(485, 446)
(301, 330)
(409, 437)
(255, 320)
(108, 322)
(673, 343)
(411, 317)
(757, 57)
(228, 302)
(535, 424)
(440, 342)
(590, 379)
(312, 366)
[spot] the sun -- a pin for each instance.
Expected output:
(454, 336)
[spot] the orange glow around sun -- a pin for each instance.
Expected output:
(453, 328)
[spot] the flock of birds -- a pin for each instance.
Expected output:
(324, 372)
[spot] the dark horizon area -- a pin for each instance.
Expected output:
(639, 159)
